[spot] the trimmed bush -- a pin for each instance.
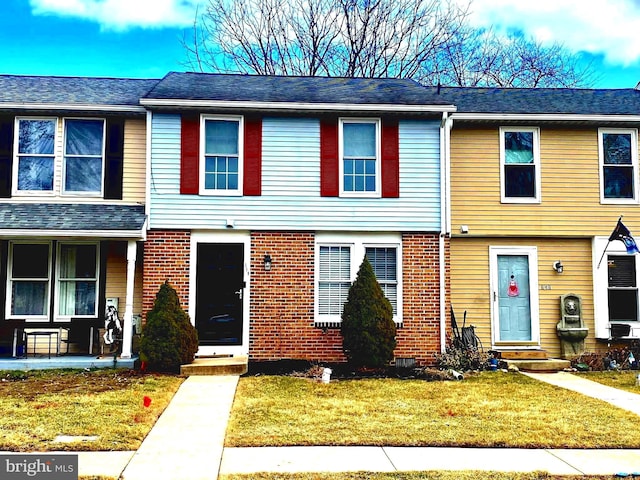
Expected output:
(168, 338)
(368, 330)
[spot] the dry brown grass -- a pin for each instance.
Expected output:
(485, 410)
(467, 475)
(40, 405)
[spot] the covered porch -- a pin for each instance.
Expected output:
(62, 266)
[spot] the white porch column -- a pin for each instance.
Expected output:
(127, 322)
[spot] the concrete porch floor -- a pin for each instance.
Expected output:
(66, 361)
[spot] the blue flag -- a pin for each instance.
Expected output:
(623, 234)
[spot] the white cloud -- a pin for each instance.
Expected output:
(122, 14)
(607, 27)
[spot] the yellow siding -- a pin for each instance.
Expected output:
(470, 284)
(117, 277)
(570, 187)
(133, 188)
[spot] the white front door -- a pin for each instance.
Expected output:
(514, 296)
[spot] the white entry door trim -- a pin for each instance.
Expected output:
(494, 279)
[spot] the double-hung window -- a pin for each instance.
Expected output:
(83, 165)
(338, 261)
(221, 162)
(622, 288)
(37, 157)
(35, 152)
(33, 272)
(28, 280)
(618, 165)
(77, 279)
(520, 165)
(360, 157)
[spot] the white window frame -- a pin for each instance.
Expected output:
(203, 155)
(17, 155)
(634, 164)
(536, 165)
(377, 193)
(601, 286)
(9, 283)
(73, 193)
(358, 243)
(96, 279)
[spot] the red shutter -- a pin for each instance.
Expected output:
(329, 167)
(189, 155)
(390, 160)
(252, 157)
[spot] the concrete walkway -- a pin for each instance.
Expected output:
(187, 442)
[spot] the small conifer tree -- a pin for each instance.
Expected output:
(168, 338)
(368, 330)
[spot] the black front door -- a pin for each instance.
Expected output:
(219, 290)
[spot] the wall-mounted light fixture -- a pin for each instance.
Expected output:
(267, 262)
(558, 267)
(464, 228)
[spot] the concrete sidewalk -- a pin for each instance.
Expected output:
(187, 442)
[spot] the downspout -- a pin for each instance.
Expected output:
(147, 202)
(445, 220)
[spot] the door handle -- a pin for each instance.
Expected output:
(495, 296)
(239, 293)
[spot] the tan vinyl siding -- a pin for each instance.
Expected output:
(570, 187)
(135, 142)
(470, 284)
(117, 277)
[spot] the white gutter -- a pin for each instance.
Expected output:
(152, 102)
(445, 222)
(24, 232)
(74, 107)
(545, 117)
(147, 195)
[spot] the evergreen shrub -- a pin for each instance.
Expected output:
(168, 338)
(368, 330)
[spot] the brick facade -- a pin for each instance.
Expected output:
(166, 258)
(282, 299)
(419, 337)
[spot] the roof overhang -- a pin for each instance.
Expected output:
(545, 117)
(75, 234)
(73, 107)
(299, 106)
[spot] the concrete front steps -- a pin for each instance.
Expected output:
(532, 360)
(217, 366)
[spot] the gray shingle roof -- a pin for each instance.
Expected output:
(258, 88)
(75, 217)
(541, 100)
(18, 89)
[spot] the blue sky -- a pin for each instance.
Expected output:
(142, 38)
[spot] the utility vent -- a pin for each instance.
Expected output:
(405, 362)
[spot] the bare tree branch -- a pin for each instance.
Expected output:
(427, 40)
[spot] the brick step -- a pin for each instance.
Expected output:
(217, 366)
(521, 354)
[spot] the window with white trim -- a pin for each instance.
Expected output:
(359, 141)
(616, 288)
(77, 279)
(338, 260)
(28, 280)
(35, 155)
(81, 164)
(221, 158)
(83, 154)
(520, 165)
(32, 274)
(618, 149)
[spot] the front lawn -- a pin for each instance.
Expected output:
(100, 409)
(492, 409)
